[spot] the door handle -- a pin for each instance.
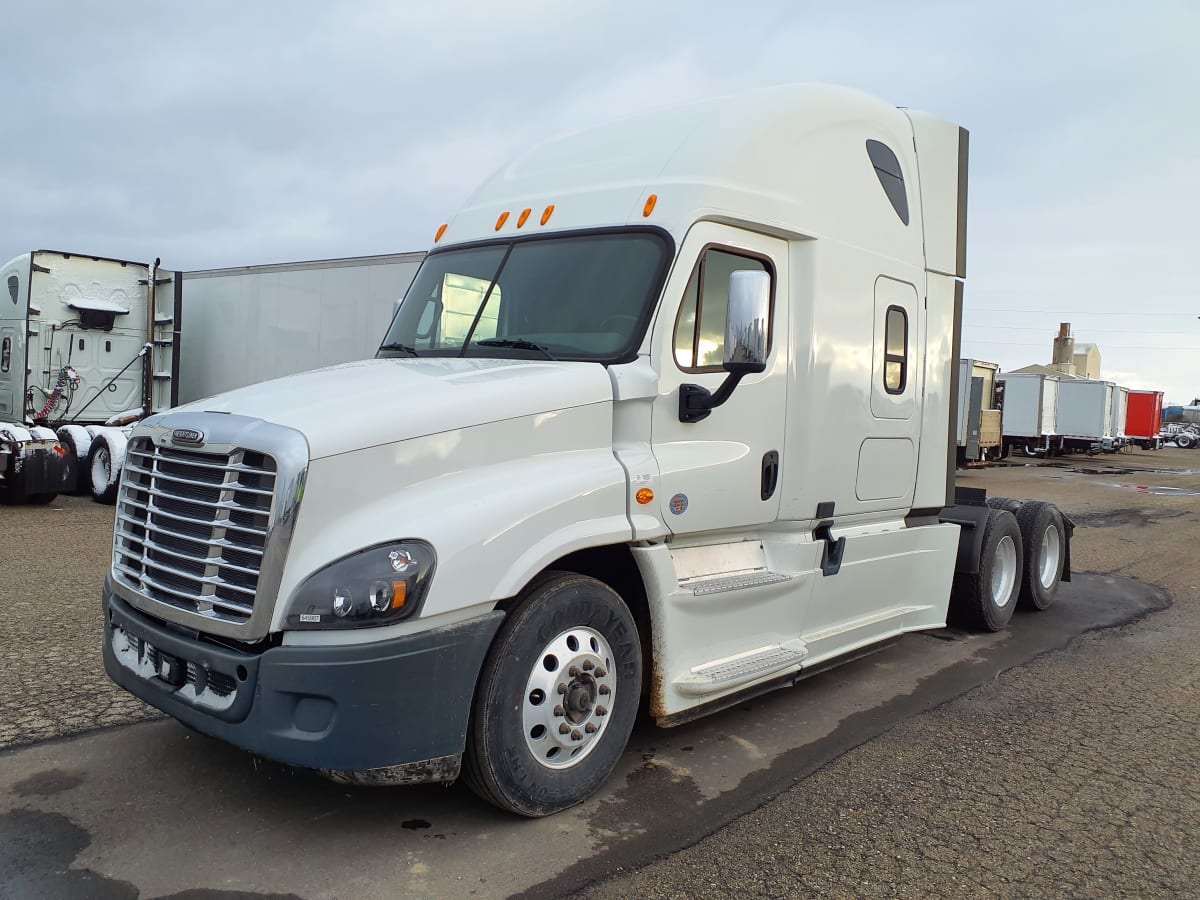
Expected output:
(770, 473)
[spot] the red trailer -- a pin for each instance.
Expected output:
(1144, 420)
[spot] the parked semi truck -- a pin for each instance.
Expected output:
(87, 346)
(657, 429)
(979, 435)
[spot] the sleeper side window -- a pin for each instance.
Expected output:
(890, 175)
(700, 326)
(895, 351)
(14, 285)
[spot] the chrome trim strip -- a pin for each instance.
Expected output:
(211, 485)
(206, 523)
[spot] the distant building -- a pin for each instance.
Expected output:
(1087, 361)
(1068, 359)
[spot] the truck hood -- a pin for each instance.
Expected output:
(381, 401)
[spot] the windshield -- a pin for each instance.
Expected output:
(577, 297)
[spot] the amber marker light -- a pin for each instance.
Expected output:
(547, 213)
(437, 237)
(399, 594)
(649, 207)
(500, 221)
(644, 496)
(523, 218)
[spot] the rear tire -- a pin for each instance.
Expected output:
(100, 470)
(75, 438)
(41, 499)
(569, 657)
(1044, 541)
(986, 600)
(1004, 503)
(1184, 441)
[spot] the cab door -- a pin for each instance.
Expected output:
(721, 472)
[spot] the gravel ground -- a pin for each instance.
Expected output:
(1077, 775)
(52, 681)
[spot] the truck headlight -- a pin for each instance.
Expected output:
(378, 586)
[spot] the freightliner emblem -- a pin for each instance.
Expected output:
(187, 436)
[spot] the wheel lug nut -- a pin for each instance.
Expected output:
(559, 711)
(564, 728)
(605, 689)
(588, 665)
(601, 711)
(600, 673)
(576, 736)
(590, 727)
(573, 671)
(562, 689)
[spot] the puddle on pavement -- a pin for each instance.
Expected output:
(1109, 470)
(1155, 489)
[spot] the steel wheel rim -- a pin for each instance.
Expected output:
(569, 698)
(1051, 552)
(1004, 571)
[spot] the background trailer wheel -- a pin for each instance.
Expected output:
(987, 598)
(556, 698)
(104, 467)
(1044, 540)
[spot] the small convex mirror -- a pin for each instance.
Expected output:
(746, 321)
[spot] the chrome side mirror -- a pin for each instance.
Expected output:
(746, 321)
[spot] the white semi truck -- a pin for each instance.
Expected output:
(664, 420)
(87, 345)
(79, 330)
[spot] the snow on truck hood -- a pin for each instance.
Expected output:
(381, 401)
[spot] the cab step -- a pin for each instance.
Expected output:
(723, 674)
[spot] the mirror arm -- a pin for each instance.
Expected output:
(696, 402)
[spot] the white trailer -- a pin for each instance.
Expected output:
(590, 464)
(249, 324)
(87, 346)
(1029, 404)
(1085, 416)
(979, 423)
(1119, 415)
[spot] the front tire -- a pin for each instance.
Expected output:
(556, 699)
(1044, 541)
(1184, 440)
(986, 600)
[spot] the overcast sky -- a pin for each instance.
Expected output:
(219, 134)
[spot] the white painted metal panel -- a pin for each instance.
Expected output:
(1120, 410)
(242, 326)
(1024, 404)
(1050, 405)
(1084, 409)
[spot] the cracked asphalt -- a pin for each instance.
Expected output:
(52, 681)
(1077, 774)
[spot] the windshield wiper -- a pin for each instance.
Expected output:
(514, 344)
(404, 348)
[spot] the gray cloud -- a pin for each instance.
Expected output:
(224, 134)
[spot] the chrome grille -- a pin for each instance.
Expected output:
(191, 527)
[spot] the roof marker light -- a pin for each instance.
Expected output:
(500, 221)
(523, 218)
(437, 237)
(649, 207)
(547, 213)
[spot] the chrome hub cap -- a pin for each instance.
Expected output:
(568, 698)
(1051, 552)
(1004, 571)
